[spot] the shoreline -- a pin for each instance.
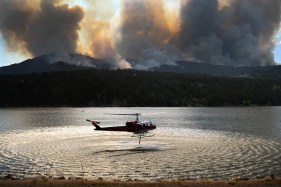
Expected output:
(238, 182)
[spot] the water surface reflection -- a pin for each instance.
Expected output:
(189, 143)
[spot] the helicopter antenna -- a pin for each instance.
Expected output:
(137, 116)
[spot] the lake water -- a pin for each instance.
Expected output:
(188, 143)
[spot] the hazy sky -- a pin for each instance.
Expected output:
(149, 31)
(277, 50)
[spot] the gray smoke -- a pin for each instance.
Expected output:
(240, 33)
(144, 33)
(42, 29)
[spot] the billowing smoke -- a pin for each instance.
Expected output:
(229, 32)
(145, 33)
(198, 33)
(97, 34)
(238, 33)
(40, 27)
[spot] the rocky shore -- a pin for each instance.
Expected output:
(270, 181)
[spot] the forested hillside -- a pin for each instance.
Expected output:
(134, 88)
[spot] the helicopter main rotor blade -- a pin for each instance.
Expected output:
(153, 113)
(126, 114)
(138, 114)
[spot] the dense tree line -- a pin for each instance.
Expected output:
(134, 88)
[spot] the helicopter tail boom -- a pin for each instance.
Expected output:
(95, 123)
(97, 127)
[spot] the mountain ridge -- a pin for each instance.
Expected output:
(62, 62)
(73, 62)
(189, 67)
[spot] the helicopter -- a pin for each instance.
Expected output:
(138, 128)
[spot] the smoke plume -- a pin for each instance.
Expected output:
(144, 33)
(239, 33)
(97, 34)
(229, 32)
(40, 27)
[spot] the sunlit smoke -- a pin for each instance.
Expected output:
(143, 33)
(95, 35)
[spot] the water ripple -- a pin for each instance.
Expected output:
(79, 152)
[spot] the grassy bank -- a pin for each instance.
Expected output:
(49, 182)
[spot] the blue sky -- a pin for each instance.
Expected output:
(277, 50)
(8, 57)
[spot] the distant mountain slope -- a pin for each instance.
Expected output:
(196, 67)
(72, 62)
(55, 62)
(271, 72)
